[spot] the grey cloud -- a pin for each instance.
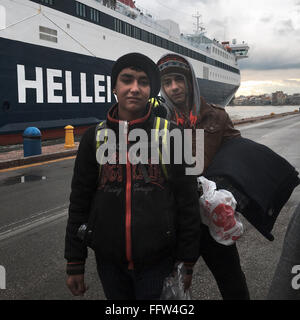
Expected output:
(219, 23)
(288, 23)
(268, 63)
(285, 27)
(292, 82)
(266, 19)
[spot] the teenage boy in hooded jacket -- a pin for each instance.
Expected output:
(140, 223)
(184, 105)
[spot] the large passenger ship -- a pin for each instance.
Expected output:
(56, 57)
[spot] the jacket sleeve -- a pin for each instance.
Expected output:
(188, 213)
(83, 187)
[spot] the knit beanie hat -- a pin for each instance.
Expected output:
(174, 64)
(139, 61)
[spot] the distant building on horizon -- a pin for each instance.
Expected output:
(279, 98)
(263, 99)
(293, 99)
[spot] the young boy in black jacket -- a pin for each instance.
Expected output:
(141, 218)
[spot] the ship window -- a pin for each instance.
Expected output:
(165, 44)
(47, 38)
(94, 15)
(125, 28)
(145, 35)
(158, 41)
(118, 25)
(122, 25)
(137, 33)
(152, 38)
(205, 73)
(51, 2)
(128, 29)
(81, 9)
(48, 31)
(48, 34)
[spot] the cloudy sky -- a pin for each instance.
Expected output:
(270, 27)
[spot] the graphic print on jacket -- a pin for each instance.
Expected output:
(135, 223)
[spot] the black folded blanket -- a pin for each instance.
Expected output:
(256, 171)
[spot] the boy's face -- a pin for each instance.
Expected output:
(175, 88)
(133, 91)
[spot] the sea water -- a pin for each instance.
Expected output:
(240, 112)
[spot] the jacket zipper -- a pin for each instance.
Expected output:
(128, 207)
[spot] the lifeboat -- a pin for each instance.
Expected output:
(228, 48)
(129, 3)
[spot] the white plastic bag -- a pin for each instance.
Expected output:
(173, 288)
(217, 210)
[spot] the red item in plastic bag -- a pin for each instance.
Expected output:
(217, 210)
(223, 216)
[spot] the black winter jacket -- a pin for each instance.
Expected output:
(132, 220)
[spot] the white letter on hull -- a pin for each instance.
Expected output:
(98, 88)
(84, 97)
(108, 83)
(69, 96)
(24, 84)
(52, 86)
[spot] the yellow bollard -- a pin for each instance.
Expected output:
(69, 137)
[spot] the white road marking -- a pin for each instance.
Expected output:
(263, 123)
(13, 231)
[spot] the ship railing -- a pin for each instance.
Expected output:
(142, 16)
(203, 46)
(138, 14)
(201, 42)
